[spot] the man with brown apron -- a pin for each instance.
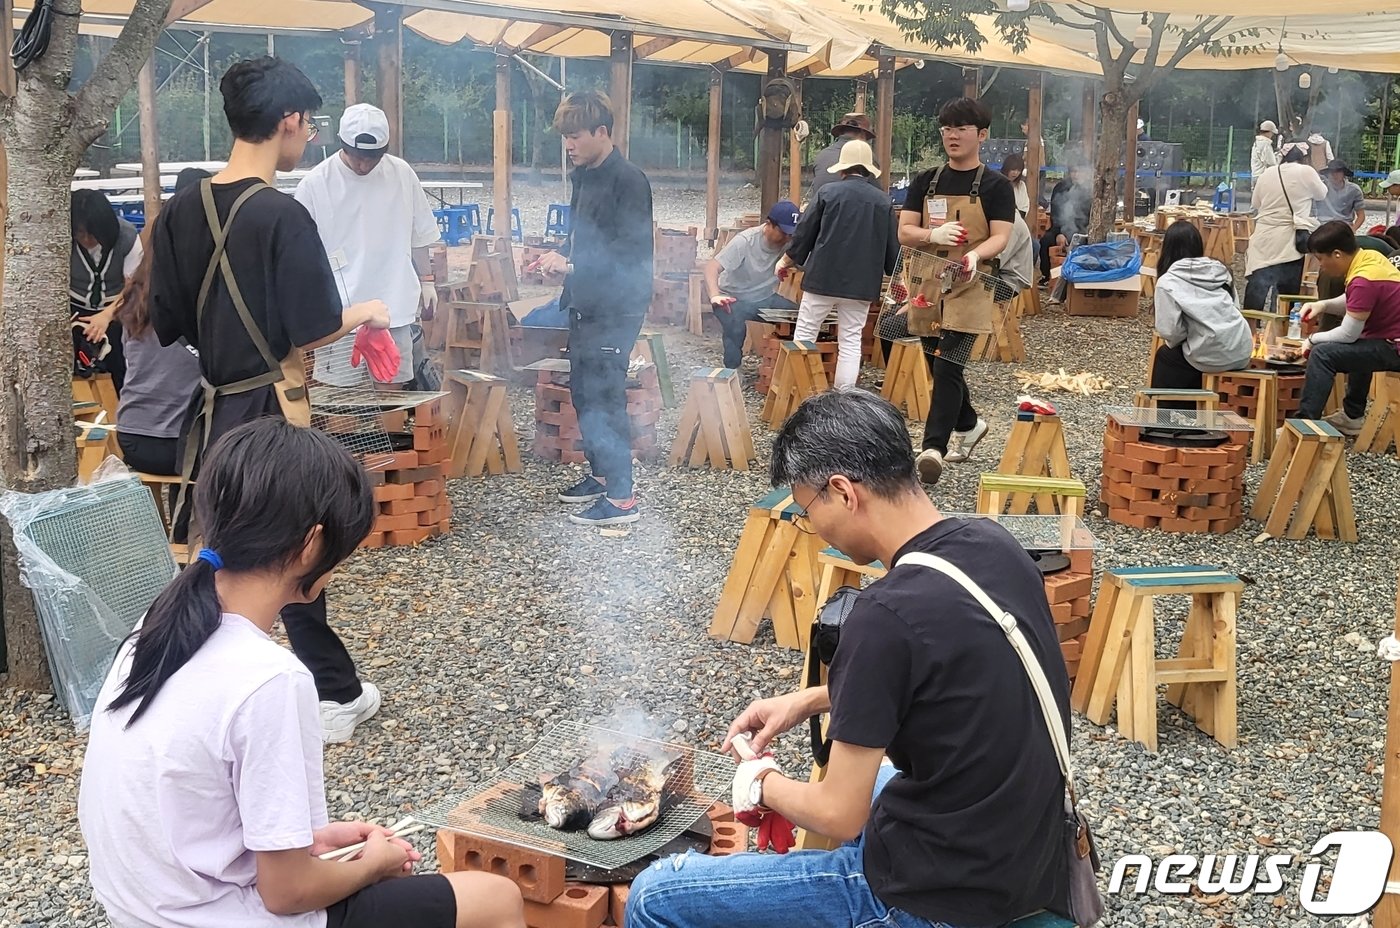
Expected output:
(961, 216)
(238, 271)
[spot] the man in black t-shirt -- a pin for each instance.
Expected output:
(953, 428)
(1069, 214)
(966, 828)
(284, 280)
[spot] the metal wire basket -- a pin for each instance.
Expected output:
(494, 810)
(913, 300)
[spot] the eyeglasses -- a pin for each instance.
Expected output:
(802, 518)
(958, 130)
(312, 130)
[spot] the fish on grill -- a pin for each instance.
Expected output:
(633, 804)
(569, 800)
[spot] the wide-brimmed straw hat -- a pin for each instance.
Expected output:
(856, 153)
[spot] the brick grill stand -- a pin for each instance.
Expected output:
(1174, 489)
(768, 356)
(1070, 606)
(410, 489)
(557, 437)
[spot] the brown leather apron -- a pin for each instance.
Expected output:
(287, 376)
(954, 304)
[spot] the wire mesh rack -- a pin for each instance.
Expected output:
(913, 300)
(89, 599)
(1214, 420)
(501, 809)
(1040, 533)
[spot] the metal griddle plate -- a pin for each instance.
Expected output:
(492, 810)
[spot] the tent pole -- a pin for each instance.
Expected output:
(971, 80)
(150, 142)
(352, 73)
(388, 22)
(712, 153)
(1089, 105)
(1130, 168)
(501, 132)
(620, 88)
(884, 117)
(1035, 158)
(770, 144)
(795, 158)
(860, 97)
(1387, 914)
(208, 37)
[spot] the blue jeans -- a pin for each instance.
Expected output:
(734, 322)
(800, 889)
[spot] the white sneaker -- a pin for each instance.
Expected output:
(1345, 424)
(960, 444)
(338, 719)
(930, 464)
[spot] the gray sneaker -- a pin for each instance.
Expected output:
(960, 444)
(1345, 424)
(930, 464)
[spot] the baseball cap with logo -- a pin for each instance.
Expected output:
(364, 128)
(784, 215)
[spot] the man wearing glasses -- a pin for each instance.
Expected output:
(963, 212)
(239, 273)
(376, 225)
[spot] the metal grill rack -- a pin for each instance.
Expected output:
(1037, 532)
(918, 273)
(492, 810)
(1212, 420)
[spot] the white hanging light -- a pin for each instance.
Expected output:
(1304, 81)
(1142, 38)
(1281, 62)
(1332, 70)
(1018, 6)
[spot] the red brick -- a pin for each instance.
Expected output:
(384, 523)
(1117, 474)
(428, 488)
(1133, 465)
(410, 506)
(540, 876)
(1064, 587)
(1071, 650)
(1081, 607)
(435, 515)
(388, 462)
(729, 838)
(390, 492)
(1185, 525)
(1061, 613)
(373, 540)
(580, 905)
(435, 455)
(1072, 629)
(1157, 509)
(1226, 471)
(1183, 500)
(444, 526)
(1223, 526)
(407, 536)
(1112, 444)
(719, 812)
(396, 421)
(1136, 521)
(1081, 561)
(1181, 471)
(427, 439)
(617, 905)
(414, 474)
(1210, 486)
(374, 478)
(1160, 454)
(1204, 457)
(1160, 483)
(429, 414)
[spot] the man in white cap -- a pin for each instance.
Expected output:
(376, 225)
(1263, 155)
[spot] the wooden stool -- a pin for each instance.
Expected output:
(1157, 342)
(908, 382)
(1254, 395)
(1241, 228)
(651, 346)
(1150, 398)
(774, 574)
(1053, 495)
(1268, 327)
(478, 338)
(756, 331)
(714, 425)
(798, 375)
(1119, 662)
(838, 570)
(98, 389)
(481, 433)
(96, 443)
(157, 484)
(88, 411)
(1308, 470)
(1035, 448)
(1379, 431)
(1004, 344)
(698, 304)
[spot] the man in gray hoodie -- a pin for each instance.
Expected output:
(1196, 316)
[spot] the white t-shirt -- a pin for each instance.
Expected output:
(225, 762)
(370, 226)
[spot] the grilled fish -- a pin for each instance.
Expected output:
(569, 800)
(634, 803)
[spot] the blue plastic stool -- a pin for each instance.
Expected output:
(1224, 199)
(516, 233)
(556, 220)
(458, 223)
(133, 213)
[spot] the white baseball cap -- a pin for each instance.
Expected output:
(364, 128)
(1268, 126)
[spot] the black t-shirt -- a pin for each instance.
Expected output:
(996, 194)
(970, 832)
(610, 241)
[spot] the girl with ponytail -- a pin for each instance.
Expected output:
(202, 799)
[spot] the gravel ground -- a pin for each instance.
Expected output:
(484, 638)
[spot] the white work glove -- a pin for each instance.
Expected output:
(1309, 310)
(949, 233)
(969, 264)
(745, 776)
(429, 300)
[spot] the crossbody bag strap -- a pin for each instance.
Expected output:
(219, 261)
(1283, 185)
(1008, 624)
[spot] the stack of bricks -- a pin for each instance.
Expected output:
(670, 299)
(1147, 485)
(410, 487)
(768, 357)
(675, 251)
(557, 437)
(535, 248)
(1290, 396)
(1068, 594)
(1241, 395)
(551, 900)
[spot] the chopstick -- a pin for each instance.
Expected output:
(403, 827)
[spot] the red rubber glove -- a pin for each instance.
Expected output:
(898, 292)
(774, 831)
(784, 273)
(921, 302)
(377, 348)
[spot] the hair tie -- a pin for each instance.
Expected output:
(211, 557)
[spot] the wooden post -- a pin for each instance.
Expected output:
(861, 87)
(1090, 107)
(1035, 160)
(770, 145)
(620, 87)
(501, 149)
(795, 159)
(884, 117)
(352, 73)
(1130, 168)
(1387, 914)
(150, 141)
(388, 32)
(712, 157)
(971, 81)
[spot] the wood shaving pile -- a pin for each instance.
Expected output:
(1083, 383)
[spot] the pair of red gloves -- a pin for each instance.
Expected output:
(377, 348)
(774, 831)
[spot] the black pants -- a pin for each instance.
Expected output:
(952, 406)
(1358, 360)
(1173, 372)
(1261, 289)
(734, 324)
(1047, 241)
(599, 350)
(151, 455)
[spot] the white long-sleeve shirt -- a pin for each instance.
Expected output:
(1263, 156)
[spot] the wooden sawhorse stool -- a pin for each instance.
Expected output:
(1004, 342)
(1153, 397)
(97, 388)
(651, 347)
(908, 382)
(1119, 662)
(481, 433)
(1257, 392)
(1381, 428)
(714, 425)
(838, 570)
(774, 574)
(797, 375)
(160, 484)
(1309, 471)
(1052, 495)
(1035, 448)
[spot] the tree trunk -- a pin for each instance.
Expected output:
(1108, 158)
(1283, 94)
(37, 450)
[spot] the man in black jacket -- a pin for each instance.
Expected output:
(608, 263)
(1069, 214)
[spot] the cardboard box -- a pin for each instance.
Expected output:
(1116, 298)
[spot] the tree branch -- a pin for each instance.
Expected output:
(1196, 38)
(1053, 17)
(1106, 17)
(95, 103)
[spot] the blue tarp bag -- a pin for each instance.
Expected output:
(1102, 263)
